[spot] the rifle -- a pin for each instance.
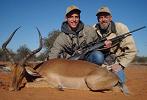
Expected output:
(99, 45)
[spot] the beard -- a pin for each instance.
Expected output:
(104, 25)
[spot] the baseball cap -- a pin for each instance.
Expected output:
(103, 9)
(71, 9)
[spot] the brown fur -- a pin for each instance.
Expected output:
(71, 74)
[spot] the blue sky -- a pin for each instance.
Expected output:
(48, 15)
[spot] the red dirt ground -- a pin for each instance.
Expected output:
(136, 82)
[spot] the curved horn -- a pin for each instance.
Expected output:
(34, 51)
(5, 45)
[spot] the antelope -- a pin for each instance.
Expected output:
(60, 73)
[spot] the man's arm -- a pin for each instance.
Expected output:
(57, 46)
(128, 47)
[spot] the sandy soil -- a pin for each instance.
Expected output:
(136, 82)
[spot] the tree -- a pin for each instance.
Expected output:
(48, 42)
(139, 59)
(22, 51)
(3, 56)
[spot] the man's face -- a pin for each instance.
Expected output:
(73, 20)
(104, 20)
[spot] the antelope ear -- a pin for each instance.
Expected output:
(32, 72)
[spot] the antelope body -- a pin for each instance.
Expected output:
(61, 73)
(74, 74)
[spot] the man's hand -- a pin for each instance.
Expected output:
(108, 44)
(116, 67)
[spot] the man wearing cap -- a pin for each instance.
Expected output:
(75, 35)
(124, 52)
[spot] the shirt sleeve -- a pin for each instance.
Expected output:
(128, 48)
(57, 47)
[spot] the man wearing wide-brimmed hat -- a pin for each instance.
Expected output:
(75, 35)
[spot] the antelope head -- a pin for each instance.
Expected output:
(18, 68)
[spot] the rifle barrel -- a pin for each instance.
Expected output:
(137, 29)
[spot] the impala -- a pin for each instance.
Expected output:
(60, 73)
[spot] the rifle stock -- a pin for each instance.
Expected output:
(99, 45)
